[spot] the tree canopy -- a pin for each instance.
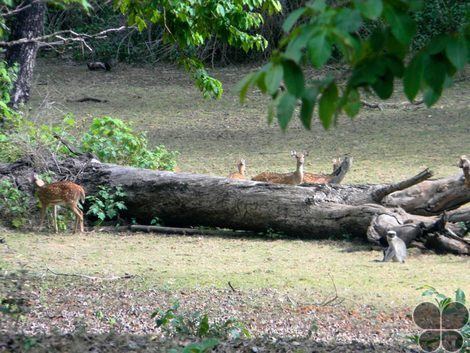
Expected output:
(312, 34)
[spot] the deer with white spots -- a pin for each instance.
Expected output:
(294, 178)
(63, 193)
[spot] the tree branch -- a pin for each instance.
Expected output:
(379, 194)
(81, 37)
(18, 9)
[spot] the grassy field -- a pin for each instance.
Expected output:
(212, 134)
(303, 268)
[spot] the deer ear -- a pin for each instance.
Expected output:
(305, 153)
(293, 153)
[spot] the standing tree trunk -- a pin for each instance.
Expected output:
(28, 23)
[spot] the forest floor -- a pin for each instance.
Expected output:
(280, 285)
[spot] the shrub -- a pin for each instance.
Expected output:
(114, 141)
(438, 17)
(14, 204)
(107, 203)
(197, 324)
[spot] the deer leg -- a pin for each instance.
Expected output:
(43, 216)
(54, 218)
(78, 218)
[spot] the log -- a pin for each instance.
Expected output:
(305, 211)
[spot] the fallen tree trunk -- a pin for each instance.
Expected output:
(308, 211)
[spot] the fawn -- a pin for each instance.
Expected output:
(63, 193)
(294, 178)
(241, 165)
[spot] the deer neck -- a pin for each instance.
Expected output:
(299, 172)
(241, 169)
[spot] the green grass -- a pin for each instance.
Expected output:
(298, 267)
(211, 135)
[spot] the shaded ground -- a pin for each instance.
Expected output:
(211, 135)
(97, 316)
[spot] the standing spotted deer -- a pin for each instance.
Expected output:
(64, 193)
(294, 178)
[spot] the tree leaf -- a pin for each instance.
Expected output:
(292, 19)
(413, 76)
(353, 104)
(435, 74)
(285, 109)
(348, 20)
(328, 102)
(244, 84)
(456, 51)
(309, 98)
(460, 296)
(273, 78)
(401, 24)
(319, 50)
(384, 85)
(371, 9)
(430, 96)
(293, 77)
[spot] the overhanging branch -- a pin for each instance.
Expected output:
(60, 37)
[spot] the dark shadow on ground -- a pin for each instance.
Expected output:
(80, 342)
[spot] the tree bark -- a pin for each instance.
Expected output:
(308, 211)
(28, 23)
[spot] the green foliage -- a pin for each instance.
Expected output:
(107, 203)
(7, 79)
(191, 23)
(439, 17)
(14, 204)
(197, 324)
(443, 300)
(27, 138)
(377, 60)
(114, 141)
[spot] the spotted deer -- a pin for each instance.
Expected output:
(340, 168)
(294, 178)
(64, 193)
(241, 165)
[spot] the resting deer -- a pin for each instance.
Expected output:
(241, 165)
(63, 193)
(340, 168)
(294, 178)
(464, 163)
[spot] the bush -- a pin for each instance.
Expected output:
(110, 139)
(438, 17)
(114, 141)
(107, 203)
(14, 204)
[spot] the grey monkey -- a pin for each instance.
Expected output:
(396, 250)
